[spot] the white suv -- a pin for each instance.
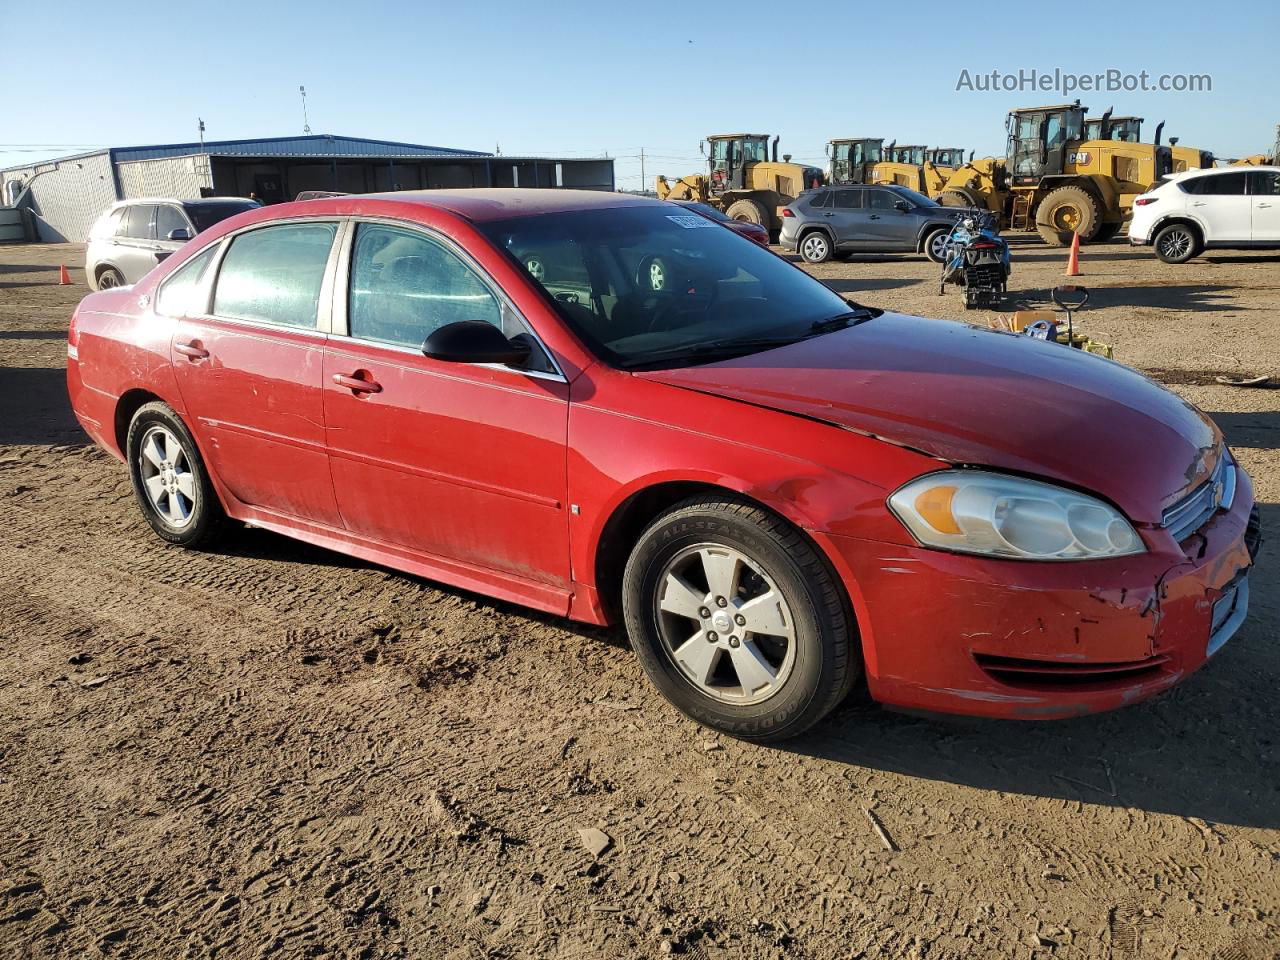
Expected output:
(1233, 207)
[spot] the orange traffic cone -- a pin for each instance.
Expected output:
(64, 277)
(1073, 263)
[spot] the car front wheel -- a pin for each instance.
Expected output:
(815, 247)
(169, 478)
(737, 620)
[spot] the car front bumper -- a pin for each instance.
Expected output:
(948, 633)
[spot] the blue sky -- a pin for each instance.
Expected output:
(578, 79)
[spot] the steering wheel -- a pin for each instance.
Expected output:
(566, 297)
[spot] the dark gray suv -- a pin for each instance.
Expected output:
(830, 221)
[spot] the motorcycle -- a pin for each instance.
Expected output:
(977, 258)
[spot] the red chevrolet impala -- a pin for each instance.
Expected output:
(777, 491)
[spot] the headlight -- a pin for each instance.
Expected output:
(974, 512)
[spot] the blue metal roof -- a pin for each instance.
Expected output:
(314, 145)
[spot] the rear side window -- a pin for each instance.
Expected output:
(274, 275)
(819, 200)
(404, 286)
(135, 222)
(178, 294)
(1216, 185)
(168, 219)
(848, 199)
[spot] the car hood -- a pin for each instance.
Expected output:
(978, 397)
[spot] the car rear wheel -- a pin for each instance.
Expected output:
(170, 480)
(109, 277)
(1176, 243)
(935, 244)
(737, 620)
(815, 247)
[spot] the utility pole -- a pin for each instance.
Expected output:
(306, 127)
(643, 181)
(200, 126)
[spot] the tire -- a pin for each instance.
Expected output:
(1177, 243)
(749, 211)
(1065, 211)
(815, 247)
(954, 198)
(935, 238)
(790, 682)
(1106, 232)
(161, 453)
(109, 277)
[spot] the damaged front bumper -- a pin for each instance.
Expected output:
(1004, 638)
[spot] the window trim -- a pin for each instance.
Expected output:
(339, 322)
(323, 304)
(202, 291)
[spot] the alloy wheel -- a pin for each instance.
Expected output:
(814, 247)
(166, 476)
(725, 624)
(1175, 244)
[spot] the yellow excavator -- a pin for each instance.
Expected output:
(744, 179)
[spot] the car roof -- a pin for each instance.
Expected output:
(1216, 171)
(133, 200)
(479, 205)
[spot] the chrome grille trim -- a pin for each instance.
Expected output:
(1194, 510)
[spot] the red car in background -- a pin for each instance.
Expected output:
(752, 231)
(775, 490)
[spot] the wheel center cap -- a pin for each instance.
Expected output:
(722, 621)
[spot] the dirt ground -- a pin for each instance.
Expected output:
(275, 751)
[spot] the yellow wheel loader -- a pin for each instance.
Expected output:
(851, 161)
(1061, 183)
(744, 179)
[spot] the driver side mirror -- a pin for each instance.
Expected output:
(902, 206)
(181, 235)
(474, 341)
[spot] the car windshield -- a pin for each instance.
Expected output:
(206, 213)
(919, 199)
(654, 287)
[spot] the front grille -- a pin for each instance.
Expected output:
(1194, 510)
(1016, 671)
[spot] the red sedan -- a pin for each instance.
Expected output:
(595, 406)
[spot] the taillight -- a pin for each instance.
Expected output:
(1143, 201)
(73, 337)
(786, 212)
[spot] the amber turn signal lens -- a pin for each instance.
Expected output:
(934, 507)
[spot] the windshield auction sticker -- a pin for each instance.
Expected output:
(692, 221)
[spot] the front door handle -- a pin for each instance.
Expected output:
(1261, 205)
(356, 383)
(874, 216)
(828, 214)
(192, 351)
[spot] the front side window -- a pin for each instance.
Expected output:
(168, 219)
(1264, 183)
(881, 199)
(178, 296)
(273, 275)
(405, 285)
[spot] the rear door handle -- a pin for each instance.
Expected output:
(357, 384)
(1264, 205)
(874, 216)
(1198, 203)
(192, 350)
(828, 214)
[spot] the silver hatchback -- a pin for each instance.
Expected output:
(134, 235)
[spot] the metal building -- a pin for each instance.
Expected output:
(64, 197)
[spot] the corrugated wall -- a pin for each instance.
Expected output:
(178, 177)
(67, 196)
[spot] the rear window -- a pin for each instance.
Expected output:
(819, 200)
(205, 213)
